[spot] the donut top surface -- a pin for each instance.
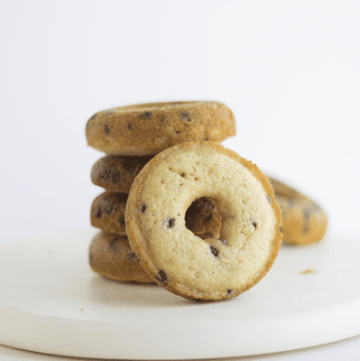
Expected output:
(150, 128)
(210, 268)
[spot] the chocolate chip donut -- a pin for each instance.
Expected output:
(147, 129)
(117, 173)
(110, 256)
(204, 268)
(304, 221)
(108, 212)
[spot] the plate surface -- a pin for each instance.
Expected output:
(51, 302)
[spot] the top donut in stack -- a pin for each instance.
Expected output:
(132, 135)
(147, 129)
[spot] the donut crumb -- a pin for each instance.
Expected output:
(307, 271)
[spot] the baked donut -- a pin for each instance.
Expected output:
(108, 212)
(110, 256)
(147, 129)
(213, 268)
(304, 221)
(117, 173)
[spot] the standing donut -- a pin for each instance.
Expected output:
(204, 268)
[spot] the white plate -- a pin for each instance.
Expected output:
(51, 302)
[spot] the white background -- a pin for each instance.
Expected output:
(289, 70)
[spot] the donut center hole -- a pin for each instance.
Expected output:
(203, 218)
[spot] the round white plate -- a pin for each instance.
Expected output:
(51, 302)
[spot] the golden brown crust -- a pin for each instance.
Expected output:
(304, 221)
(117, 173)
(147, 129)
(140, 238)
(108, 212)
(110, 256)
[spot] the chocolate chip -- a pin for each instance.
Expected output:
(121, 220)
(307, 215)
(206, 139)
(185, 116)
(229, 291)
(143, 208)
(162, 277)
(130, 126)
(106, 129)
(132, 165)
(254, 223)
(109, 209)
(116, 177)
(106, 173)
(98, 212)
(146, 115)
(169, 223)
(281, 230)
(113, 244)
(214, 251)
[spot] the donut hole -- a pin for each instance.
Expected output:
(203, 218)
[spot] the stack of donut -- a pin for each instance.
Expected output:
(182, 211)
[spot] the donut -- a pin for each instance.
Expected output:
(304, 221)
(117, 173)
(203, 268)
(147, 129)
(110, 256)
(108, 212)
